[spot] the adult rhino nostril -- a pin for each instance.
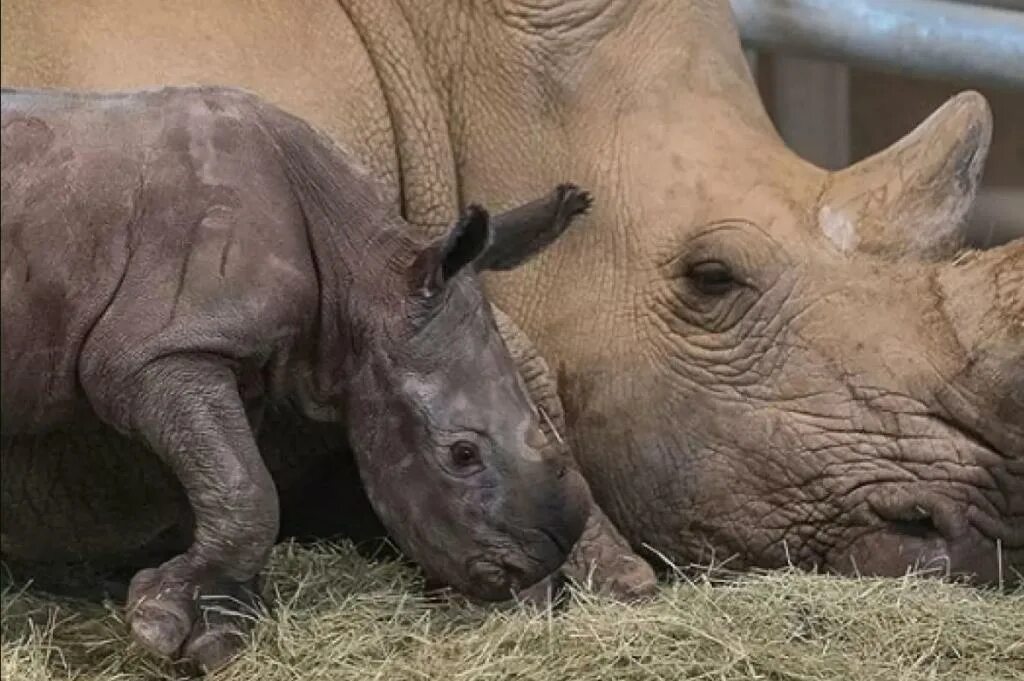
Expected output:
(914, 520)
(919, 528)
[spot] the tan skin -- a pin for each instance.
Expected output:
(760, 360)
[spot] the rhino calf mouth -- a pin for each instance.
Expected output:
(499, 579)
(505, 571)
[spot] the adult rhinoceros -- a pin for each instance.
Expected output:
(758, 358)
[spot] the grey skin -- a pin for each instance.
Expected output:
(178, 264)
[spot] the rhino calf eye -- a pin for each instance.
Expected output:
(465, 455)
(711, 278)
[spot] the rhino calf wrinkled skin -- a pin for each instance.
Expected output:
(183, 265)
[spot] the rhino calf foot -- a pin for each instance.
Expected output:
(626, 578)
(174, 615)
(603, 561)
(545, 592)
(219, 635)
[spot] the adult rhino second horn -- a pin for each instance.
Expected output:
(910, 199)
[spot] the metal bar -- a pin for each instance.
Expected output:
(997, 217)
(923, 38)
(751, 57)
(810, 104)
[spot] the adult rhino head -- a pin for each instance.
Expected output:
(759, 358)
(815, 388)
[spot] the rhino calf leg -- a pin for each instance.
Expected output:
(190, 414)
(603, 561)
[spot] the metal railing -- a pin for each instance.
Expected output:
(923, 38)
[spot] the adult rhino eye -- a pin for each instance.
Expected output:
(465, 455)
(711, 277)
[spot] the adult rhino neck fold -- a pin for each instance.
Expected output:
(419, 117)
(429, 58)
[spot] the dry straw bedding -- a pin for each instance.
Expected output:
(341, 616)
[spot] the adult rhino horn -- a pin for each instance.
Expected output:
(910, 200)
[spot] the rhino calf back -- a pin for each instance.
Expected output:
(95, 226)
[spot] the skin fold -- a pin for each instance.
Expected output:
(178, 262)
(761, 361)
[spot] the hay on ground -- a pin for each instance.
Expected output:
(339, 616)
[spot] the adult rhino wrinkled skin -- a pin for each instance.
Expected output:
(760, 360)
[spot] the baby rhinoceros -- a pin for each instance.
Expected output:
(176, 261)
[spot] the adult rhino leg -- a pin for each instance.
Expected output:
(189, 412)
(601, 559)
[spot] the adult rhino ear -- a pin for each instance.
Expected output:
(522, 232)
(910, 200)
(464, 243)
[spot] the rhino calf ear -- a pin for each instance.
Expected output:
(439, 262)
(522, 232)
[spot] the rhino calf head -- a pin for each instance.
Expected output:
(450, 446)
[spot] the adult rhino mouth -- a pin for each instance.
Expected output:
(918, 547)
(970, 524)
